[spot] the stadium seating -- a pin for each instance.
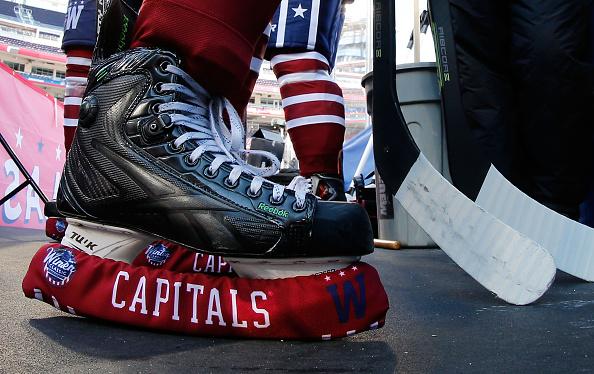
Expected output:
(28, 45)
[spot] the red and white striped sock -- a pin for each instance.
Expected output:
(78, 63)
(314, 110)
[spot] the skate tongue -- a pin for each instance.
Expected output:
(213, 126)
(232, 138)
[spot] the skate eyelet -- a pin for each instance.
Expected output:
(154, 109)
(158, 88)
(298, 208)
(175, 149)
(188, 160)
(249, 193)
(163, 66)
(209, 173)
(276, 202)
(230, 184)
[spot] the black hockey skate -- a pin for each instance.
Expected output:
(153, 157)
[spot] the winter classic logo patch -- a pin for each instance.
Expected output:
(59, 265)
(157, 254)
(60, 225)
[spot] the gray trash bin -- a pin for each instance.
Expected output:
(418, 93)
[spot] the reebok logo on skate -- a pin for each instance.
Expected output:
(83, 241)
(274, 210)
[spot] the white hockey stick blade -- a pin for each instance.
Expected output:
(569, 242)
(509, 264)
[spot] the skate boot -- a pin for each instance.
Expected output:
(154, 158)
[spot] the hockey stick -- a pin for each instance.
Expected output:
(514, 267)
(570, 243)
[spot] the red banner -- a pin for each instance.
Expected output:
(31, 122)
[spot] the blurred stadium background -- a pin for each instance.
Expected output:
(31, 33)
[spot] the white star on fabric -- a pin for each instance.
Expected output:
(354, 268)
(341, 273)
(273, 28)
(19, 138)
(299, 11)
(58, 153)
(327, 278)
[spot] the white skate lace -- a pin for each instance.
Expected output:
(202, 117)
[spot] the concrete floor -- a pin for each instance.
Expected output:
(440, 321)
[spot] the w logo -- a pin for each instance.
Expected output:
(343, 309)
(73, 16)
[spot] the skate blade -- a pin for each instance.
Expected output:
(256, 268)
(105, 241)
